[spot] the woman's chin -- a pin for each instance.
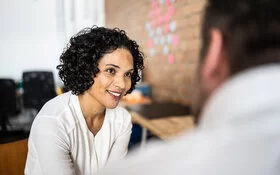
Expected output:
(112, 106)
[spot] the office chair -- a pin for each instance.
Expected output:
(8, 101)
(38, 88)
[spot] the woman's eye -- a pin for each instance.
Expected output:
(128, 74)
(111, 71)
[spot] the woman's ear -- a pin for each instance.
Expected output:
(215, 69)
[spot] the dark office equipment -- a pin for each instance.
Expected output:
(38, 88)
(160, 110)
(8, 103)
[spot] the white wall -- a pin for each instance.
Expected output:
(82, 13)
(34, 32)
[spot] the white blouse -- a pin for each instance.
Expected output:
(61, 143)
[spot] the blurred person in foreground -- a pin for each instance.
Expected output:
(80, 131)
(237, 99)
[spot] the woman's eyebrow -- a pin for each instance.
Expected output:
(130, 70)
(113, 65)
(116, 66)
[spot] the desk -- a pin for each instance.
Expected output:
(165, 128)
(13, 157)
(165, 120)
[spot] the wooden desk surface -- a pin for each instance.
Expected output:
(165, 128)
(13, 157)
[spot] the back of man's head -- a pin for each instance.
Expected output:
(250, 31)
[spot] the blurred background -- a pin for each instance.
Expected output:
(34, 32)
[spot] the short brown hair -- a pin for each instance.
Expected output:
(250, 29)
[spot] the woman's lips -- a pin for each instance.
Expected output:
(115, 95)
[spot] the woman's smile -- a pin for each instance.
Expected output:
(116, 95)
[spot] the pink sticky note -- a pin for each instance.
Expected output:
(160, 20)
(157, 11)
(175, 39)
(150, 43)
(171, 58)
(170, 10)
(166, 29)
(167, 2)
(155, 4)
(167, 17)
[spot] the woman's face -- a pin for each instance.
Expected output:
(114, 78)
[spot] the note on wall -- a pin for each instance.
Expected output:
(171, 58)
(161, 28)
(165, 50)
(175, 39)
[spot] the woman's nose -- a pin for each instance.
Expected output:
(120, 82)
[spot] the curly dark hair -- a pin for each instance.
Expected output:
(79, 60)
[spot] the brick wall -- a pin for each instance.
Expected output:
(169, 71)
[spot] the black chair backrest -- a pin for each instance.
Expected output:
(8, 100)
(38, 88)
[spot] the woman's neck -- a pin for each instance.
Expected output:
(91, 109)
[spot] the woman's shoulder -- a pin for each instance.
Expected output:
(57, 111)
(57, 102)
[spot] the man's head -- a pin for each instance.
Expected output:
(236, 35)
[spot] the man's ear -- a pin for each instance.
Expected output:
(215, 69)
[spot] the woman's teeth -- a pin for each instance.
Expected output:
(114, 93)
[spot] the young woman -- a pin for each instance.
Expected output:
(80, 131)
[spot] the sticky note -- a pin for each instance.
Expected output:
(150, 43)
(159, 31)
(151, 33)
(167, 17)
(165, 50)
(154, 23)
(169, 38)
(152, 52)
(157, 11)
(170, 10)
(171, 59)
(160, 20)
(162, 40)
(148, 26)
(172, 26)
(175, 39)
(155, 4)
(156, 40)
(167, 2)
(165, 28)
